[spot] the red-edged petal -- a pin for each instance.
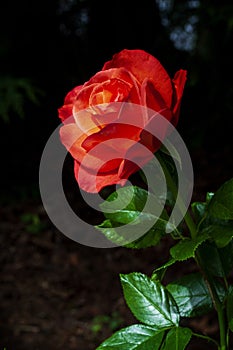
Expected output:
(112, 90)
(112, 113)
(103, 158)
(121, 74)
(127, 168)
(151, 97)
(117, 136)
(72, 138)
(86, 122)
(72, 95)
(65, 112)
(106, 149)
(93, 183)
(113, 73)
(143, 65)
(178, 83)
(83, 98)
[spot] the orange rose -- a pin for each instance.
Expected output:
(92, 116)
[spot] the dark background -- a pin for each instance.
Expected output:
(47, 48)
(57, 45)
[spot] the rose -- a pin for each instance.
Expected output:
(91, 117)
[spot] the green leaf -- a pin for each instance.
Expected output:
(209, 196)
(134, 205)
(177, 339)
(221, 235)
(149, 239)
(136, 337)
(186, 248)
(13, 94)
(159, 272)
(106, 228)
(191, 295)
(231, 324)
(230, 308)
(131, 198)
(149, 301)
(221, 205)
(199, 210)
(173, 155)
(218, 261)
(136, 208)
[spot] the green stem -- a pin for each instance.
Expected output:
(193, 232)
(222, 328)
(217, 303)
(189, 222)
(206, 338)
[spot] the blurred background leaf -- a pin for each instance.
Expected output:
(13, 93)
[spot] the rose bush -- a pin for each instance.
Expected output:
(92, 118)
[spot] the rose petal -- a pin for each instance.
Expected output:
(143, 65)
(86, 122)
(121, 74)
(65, 112)
(118, 136)
(83, 98)
(178, 83)
(127, 168)
(92, 110)
(94, 183)
(102, 159)
(71, 96)
(151, 97)
(113, 73)
(112, 90)
(72, 138)
(108, 113)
